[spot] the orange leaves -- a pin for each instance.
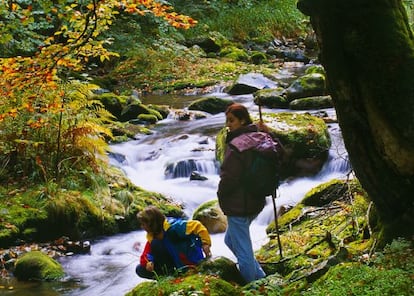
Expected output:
(159, 10)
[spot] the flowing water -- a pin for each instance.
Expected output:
(162, 162)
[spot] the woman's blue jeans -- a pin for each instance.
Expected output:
(238, 239)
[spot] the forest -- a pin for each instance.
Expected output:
(56, 125)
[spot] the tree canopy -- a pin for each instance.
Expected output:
(43, 118)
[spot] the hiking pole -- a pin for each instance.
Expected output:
(274, 194)
(260, 111)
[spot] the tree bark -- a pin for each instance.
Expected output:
(367, 50)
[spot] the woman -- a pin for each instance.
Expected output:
(240, 205)
(172, 243)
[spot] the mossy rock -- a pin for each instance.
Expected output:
(197, 284)
(234, 53)
(148, 118)
(325, 193)
(113, 103)
(308, 85)
(212, 105)
(303, 135)
(311, 235)
(310, 103)
(36, 265)
(315, 69)
(72, 213)
(211, 216)
(163, 110)
(131, 111)
(271, 98)
(222, 267)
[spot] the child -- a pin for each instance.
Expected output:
(172, 243)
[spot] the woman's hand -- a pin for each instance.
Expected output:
(206, 250)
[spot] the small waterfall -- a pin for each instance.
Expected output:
(184, 168)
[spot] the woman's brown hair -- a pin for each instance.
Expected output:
(153, 218)
(240, 112)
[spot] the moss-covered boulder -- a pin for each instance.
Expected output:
(250, 83)
(223, 267)
(308, 85)
(318, 237)
(271, 98)
(234, 53)
(113, 103)
(197, 284)
(133, 110)
(147, 118)
(309, 103)
(212, 105)
(305, 137)
(315, 68)
(37, 266)
(164, 110)
(212, 217)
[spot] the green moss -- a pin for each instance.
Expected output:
(325, 193)
(306, 135)
(359, 279)
(150, 118)
(234, 53)
(190, 285)
(315, 69)
(221, 144)
(37, 266)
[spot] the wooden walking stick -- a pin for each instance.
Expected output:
(274, 195)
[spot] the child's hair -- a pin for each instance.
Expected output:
(153, 218)
(240, 112)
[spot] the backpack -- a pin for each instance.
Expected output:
(261, 177)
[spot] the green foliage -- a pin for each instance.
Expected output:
(53, 132)
(20, 30)
(409, 6)
(398, 254)
(251, 20)
(358, 279)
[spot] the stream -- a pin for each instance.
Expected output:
(162, 162)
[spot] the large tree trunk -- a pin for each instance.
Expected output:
(366, 47)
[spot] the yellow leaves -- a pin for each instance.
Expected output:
(90, 6)
(14, 6)
(12, 112)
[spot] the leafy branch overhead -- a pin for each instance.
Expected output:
(48, 123)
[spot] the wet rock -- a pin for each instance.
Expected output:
(250, 83)
(211, 216)
(196, 176)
